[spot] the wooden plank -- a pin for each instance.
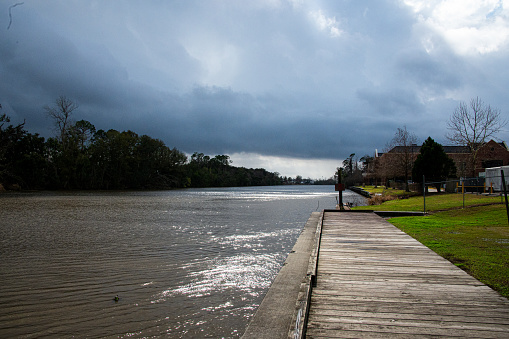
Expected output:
(405, 300)
(374, 281)
(328, 321)
(380, 329)
(442, 310)
(450, 317)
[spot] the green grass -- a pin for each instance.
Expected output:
(386, 191)
(434, 202)
(475, 239)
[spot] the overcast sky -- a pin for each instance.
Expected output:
(293, 86)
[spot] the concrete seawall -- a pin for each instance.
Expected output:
(360, 191)
(279, 311)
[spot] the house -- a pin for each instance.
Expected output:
(392, 164)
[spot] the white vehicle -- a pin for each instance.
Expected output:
(494, 177)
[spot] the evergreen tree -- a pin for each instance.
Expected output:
(433, 163)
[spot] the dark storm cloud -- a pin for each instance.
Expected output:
(434, 74)
(300, 79)
(392, 103)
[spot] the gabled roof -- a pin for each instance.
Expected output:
(456, 149)
(447, 149)
(403, 149)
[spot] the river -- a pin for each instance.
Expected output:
(192, 263)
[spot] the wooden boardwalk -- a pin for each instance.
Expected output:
(374, 281)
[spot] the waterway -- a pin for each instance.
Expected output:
(183, 263)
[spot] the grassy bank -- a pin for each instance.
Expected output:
(475, 239)
(434, 202)
(384, 191)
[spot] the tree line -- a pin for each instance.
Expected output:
(81, 157)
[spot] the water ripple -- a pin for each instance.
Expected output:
(186, 264)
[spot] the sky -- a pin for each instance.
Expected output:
(292, 86)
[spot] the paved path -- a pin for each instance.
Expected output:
(374, 281)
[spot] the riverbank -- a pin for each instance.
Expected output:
(474, 238)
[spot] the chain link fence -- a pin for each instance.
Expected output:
(491, 183)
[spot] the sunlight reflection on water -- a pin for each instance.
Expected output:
(189, 263)
(243, 272)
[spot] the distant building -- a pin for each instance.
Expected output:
(390, 165)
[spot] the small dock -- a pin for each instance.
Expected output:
(367, 279)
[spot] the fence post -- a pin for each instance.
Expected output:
(505, 194)
(424, 191)
(463, 191)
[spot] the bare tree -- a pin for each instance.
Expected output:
(474, 125)
(61, 115)
(401, 146)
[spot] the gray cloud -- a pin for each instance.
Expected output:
(282, 78)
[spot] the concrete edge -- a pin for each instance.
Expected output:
(360, 191)
(300, 317)
(277, 313)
